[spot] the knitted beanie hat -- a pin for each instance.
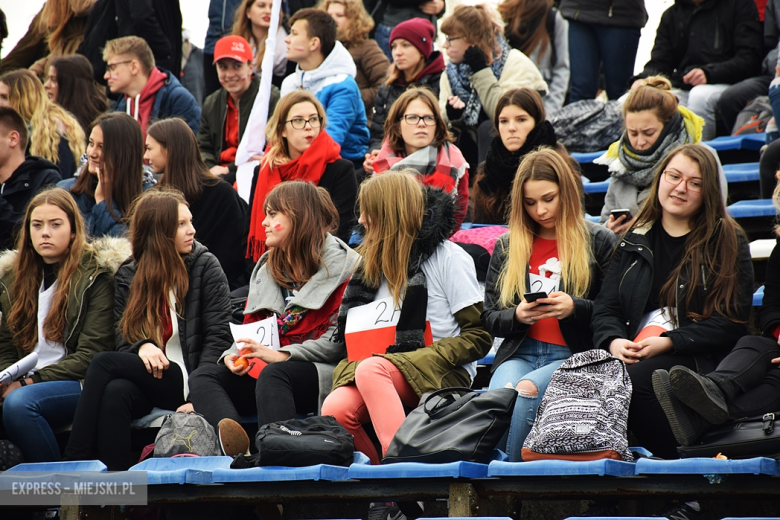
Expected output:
(417, 31)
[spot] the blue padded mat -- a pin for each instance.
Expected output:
(487, 360)
(706, 466)
(758, 297)
(181, 470)
(533, 468)
(420, 470)
(596, 187)
(752, 208)
(284, 473)
(592, 218)
(78, 465)
(741, 172)
(613, 518)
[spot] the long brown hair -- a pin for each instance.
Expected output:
(23, 318)
(185, 170)
(359, 25)
(394, 206)
(78, 92)
(571, 231)
(393, 122)
(121, 166)
(312, 214)
(278, 152)
(473, 22)
(159, 269)
(524, 16)
(711, 244)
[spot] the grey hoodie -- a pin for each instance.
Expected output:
(338, 263)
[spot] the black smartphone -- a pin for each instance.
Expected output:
(531, 297)
(623, 211)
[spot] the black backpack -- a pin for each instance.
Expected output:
(300, 442)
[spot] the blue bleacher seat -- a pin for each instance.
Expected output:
(181, 470)
(752, 208)
(77, 465)
(741, 172)
(758, 297)
(612, 518)
(593, 218)
(707, 466)
(487, 360)
(419, 470)
(738, 142)
(587, 157)
(536, 468)
(281, 473)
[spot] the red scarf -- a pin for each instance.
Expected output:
(307, 167)
(314, 323)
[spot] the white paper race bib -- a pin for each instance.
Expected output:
(265, 332)
(542, 284)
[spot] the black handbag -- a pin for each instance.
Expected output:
(450, 427)
(742, 439)
(300, 442)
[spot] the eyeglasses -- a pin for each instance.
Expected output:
(675, 178)
(111, 67)
(299, 123)
(448, 40)
(413, 119)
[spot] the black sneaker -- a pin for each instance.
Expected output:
(687, 425)
(680, 511)
(700, 393)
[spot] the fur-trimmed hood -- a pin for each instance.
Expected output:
(109, 253)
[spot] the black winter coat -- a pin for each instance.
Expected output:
(614, 13)
(575, 329)
(769, 313)
(722, 37)
(619, 308)
(386, 96)
(204, 327)
(28, 179)
(340, 182)
(156, 21)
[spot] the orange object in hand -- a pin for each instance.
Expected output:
(241, 363)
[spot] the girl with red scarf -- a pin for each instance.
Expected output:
(300, 280)
(299, 149)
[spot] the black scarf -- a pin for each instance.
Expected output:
(437, 226)
(501, 164)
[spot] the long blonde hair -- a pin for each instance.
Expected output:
(571, 231)
(393, 205)
(47, 119)
(278, 151)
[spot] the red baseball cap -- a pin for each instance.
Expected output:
(233, 47)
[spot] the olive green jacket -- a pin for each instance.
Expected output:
(90, 315)
(438, 366)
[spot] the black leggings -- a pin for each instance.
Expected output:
(748, 379)
(646, 418)
(283, 390)
(118, 389)
(767, 168)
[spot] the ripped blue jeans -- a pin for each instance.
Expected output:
(533, 361)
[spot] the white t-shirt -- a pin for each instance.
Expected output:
(49, 352)
(452, 286)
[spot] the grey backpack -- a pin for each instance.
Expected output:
(584, 412)
(186, 434)
(588, 125)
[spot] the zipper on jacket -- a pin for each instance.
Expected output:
(624, 275)
(610, 10)
(93, 279)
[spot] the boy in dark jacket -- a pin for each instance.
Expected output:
(150, 93)
(20, 177)
(226, 111)
(703, 47)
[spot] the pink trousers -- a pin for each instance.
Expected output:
(378, 395)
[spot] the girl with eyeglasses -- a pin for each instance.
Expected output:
(416, 138)
(300, 149)
(678, 290)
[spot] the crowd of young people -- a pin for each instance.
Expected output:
(125, 287)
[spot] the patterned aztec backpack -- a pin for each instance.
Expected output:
(584, 411)
(186, 434)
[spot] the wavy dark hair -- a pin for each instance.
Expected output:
(78, 92)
